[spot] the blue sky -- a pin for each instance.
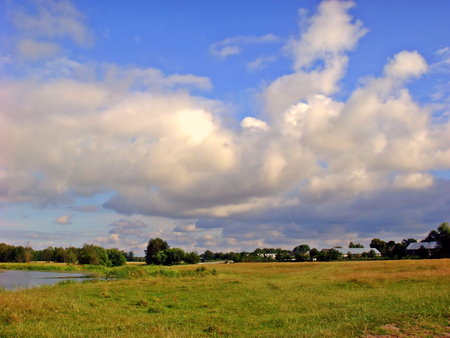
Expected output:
(223, 125)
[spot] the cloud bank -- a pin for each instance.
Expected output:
(310, 165)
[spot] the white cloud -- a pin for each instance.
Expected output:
(234, 45)
(127, 227)
(406, 64)
(252, 123)
(330, 34)
(74, 128)
(443, 65)
(226, 51)
(65, 219)
(54, 19)
(186, 228)
(35, 50)
(259, 63)
(325, 41)
(416, 181)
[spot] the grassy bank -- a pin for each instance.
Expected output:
(338, 299)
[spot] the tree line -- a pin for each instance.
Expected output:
(88, 254)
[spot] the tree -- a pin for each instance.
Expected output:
(91, 254)
(160, 258)
(334, 255)
(47, 254)
(116, 257)
(442, 236)
(283, 255)
(192, 258)
(154, 247)
(408, 241)
(379, 245)
(444, 239)
(353, 245)
(208, 255)
(302, 248)
(433, 236)
(60, 255)
(313, 253)
(130, 256)
(72, 254)
(299, 257)
(174, 256)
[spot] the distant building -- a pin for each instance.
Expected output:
(267, 255)
(356, 251)
(304, 253)
(414, 248)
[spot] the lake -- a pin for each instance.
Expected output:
(13, 279)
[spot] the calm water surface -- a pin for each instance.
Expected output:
(13, 279)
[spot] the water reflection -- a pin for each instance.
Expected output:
(13, 279)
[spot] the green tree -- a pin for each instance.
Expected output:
(380, 246)
(192, 258)
(313, 253)
(60, 255)
(160, 258)
(353, 245)
(174, 256)
(72, 254)
(47, 254)
(116, 257)
(91, 254)
(442, 236)
(299, 257)
(302, 248)
(444, 239)
(208, 255)
(334, 255)
(155, 251)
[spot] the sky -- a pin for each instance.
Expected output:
(223, 125)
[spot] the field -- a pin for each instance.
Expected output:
(409, 298)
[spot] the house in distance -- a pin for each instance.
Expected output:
(356, 251)
(415, 249)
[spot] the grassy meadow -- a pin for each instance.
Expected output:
(408, 298)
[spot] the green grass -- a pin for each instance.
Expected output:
(337, 299)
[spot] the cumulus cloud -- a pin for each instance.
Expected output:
(252, 123)
(319, 56)
(65, 219)
(235, 45)
(330, 33)
(76, 128)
